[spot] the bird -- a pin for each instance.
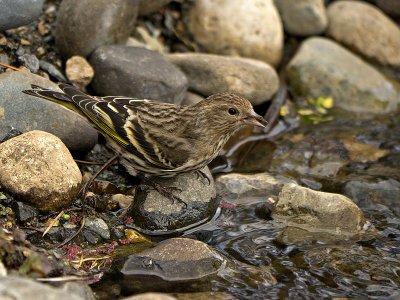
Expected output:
(156, 139)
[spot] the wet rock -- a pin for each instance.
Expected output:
(304, 17)
(391, 7)
(192, 98)
(30, 61)
(152, 211)
(37, 168)
(210, 74)
(173, 262)
(98, 226)
(365, 29)
(19, 288)
(318, 211)
(236, 185)
(148, 7)
(79, 72)
(137, 72)
(24, 212)
(16, 13)
(26, 113)
(92, 237)
(245, 28)
(323, 68)
(370, 192)
(80, 289)
(84, 25)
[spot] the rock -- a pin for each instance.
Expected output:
(210, 74)
(205, 296)
(246, 28)
(98, 226)
(192, 98)
(23, 211)
(37, 168)
(3, 270)
(236, 185)
(323, 68)
(150, 296)
(16, 13)
(84, 25)
(26, 113)
(91, 237)
(365, 29)
(136, 72)
(79, 72)
(152, 211)
(172, 262)
(391, 7)
(368, 193)
(30, 61)
(123, 200)
(304, 17)
(52, 70)
(318, 211)
(148, 7)
(79, 288)
(19, 288)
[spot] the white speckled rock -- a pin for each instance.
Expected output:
(250, 28)
(363, 28)
(36, 167)
(303, 17)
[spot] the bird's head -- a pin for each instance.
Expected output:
(227, 112)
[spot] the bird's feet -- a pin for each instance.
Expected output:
(201, 174)
(166, 191)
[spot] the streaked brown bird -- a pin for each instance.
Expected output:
(160, 139)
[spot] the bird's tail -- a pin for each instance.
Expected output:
(61, 98)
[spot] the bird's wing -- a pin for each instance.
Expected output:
(148, 129)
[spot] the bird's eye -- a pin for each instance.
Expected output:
(232, 111)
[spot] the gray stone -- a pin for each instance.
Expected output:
(24, 212)
(303, 17)
(26, 113)
(52, 70)
(249, 28)
(323, 68)
(148, 7)
(15, 13)
(150, 296)
(236, 185)
(192, 98)
(98, 226)
(318, 211)
(175, 259)
(210, 74)
(19, 288)
(30, 61)
(137, 72)
(37, 168)
(84, 25)
(368, 193)
(153, 211)
(365, 29)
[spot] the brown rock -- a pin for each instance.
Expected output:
(36, 167)
(79, 72)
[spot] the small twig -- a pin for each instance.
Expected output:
(9, 66)
(74, 235)
(62, 279)
(87, 184)
(53, 222)
(88, 162)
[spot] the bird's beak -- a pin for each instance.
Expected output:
(255, 120)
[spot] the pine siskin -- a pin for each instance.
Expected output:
(160, 139)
